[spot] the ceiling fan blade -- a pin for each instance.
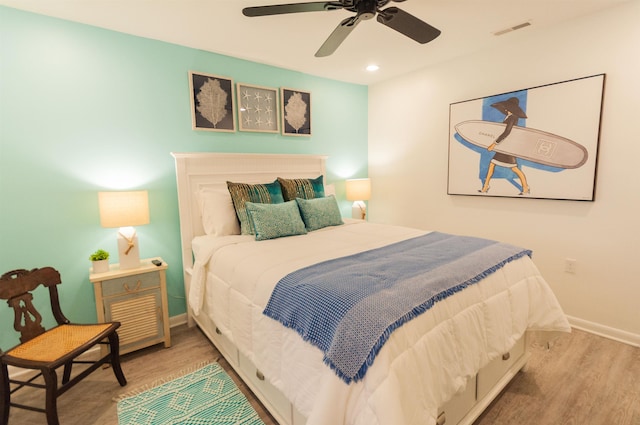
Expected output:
(337, 36)
(407, 24)
(280, 9)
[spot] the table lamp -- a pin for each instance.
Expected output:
(358, 190)
(125, 210)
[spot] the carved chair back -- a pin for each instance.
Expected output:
(17, 286)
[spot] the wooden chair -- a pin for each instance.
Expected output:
(46, 350)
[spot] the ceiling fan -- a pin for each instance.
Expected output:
(394, 18)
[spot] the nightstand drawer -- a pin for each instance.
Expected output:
(130, 284)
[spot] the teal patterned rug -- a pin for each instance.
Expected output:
(207, 396)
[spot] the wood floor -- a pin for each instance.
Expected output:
(583, 380)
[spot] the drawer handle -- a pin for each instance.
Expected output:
(442, 419)
(126, 287)
(506, 356)
(259, 375)
(218, 331)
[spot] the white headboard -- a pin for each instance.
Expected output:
(195, 171)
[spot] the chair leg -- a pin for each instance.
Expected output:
(66, 374)
(5, 394)
(114, 347)
(51, 403)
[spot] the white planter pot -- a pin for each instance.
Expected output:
(100, 266)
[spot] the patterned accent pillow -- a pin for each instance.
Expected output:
(301, 188)
(272, 221)
(320, 212)
(241, 193)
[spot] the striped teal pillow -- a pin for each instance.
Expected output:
(301, 188)
(320, 212)
(241, 193)
(271, 221)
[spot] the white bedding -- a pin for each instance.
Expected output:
(423, 364)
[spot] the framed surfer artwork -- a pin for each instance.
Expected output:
(540, 142)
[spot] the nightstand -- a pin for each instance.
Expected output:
(137, 298)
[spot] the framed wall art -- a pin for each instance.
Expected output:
(540, 142)
(296, 112)
(258, 108)
(212, 100)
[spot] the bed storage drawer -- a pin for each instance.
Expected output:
(298, 418)
(455, 409)
(491, 373)
(265, 389)
(222, 343)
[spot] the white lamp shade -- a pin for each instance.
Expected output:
(123, 209)
(358, 189)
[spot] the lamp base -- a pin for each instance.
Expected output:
(359, 210)
(128, 255)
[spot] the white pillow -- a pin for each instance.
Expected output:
(218, 215)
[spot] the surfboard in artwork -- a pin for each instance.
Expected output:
(526, 143)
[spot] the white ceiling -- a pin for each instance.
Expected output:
(290, 41)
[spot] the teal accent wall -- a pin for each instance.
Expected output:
(83, 109)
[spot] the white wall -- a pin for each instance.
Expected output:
(408, 145)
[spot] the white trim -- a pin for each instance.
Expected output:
(17, 372)
(605, 331)
(180, 319)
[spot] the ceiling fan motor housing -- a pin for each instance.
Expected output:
(367, 9)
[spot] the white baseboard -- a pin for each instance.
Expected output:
(174, 321)
(605, 331)
(178, 320)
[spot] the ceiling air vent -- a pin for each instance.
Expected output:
(516, 27)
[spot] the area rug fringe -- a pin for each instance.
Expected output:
(164, 380)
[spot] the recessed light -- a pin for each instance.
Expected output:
(373, 68)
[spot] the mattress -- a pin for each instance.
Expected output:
(423, 363)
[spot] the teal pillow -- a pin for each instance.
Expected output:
(301, 188)
(271, 221)
(320, 212)
(241, 193)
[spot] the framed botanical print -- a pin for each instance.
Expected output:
(258, 108)
(296, 112)
(540, 142)
(212, 106)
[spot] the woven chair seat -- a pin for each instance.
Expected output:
(57, 342)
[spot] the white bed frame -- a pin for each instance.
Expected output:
(198, 170)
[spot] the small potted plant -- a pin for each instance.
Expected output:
(100, 261)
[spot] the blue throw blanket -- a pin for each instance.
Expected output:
(349, 306)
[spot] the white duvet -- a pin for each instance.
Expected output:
(422, 365)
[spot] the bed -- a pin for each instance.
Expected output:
(444, 363)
